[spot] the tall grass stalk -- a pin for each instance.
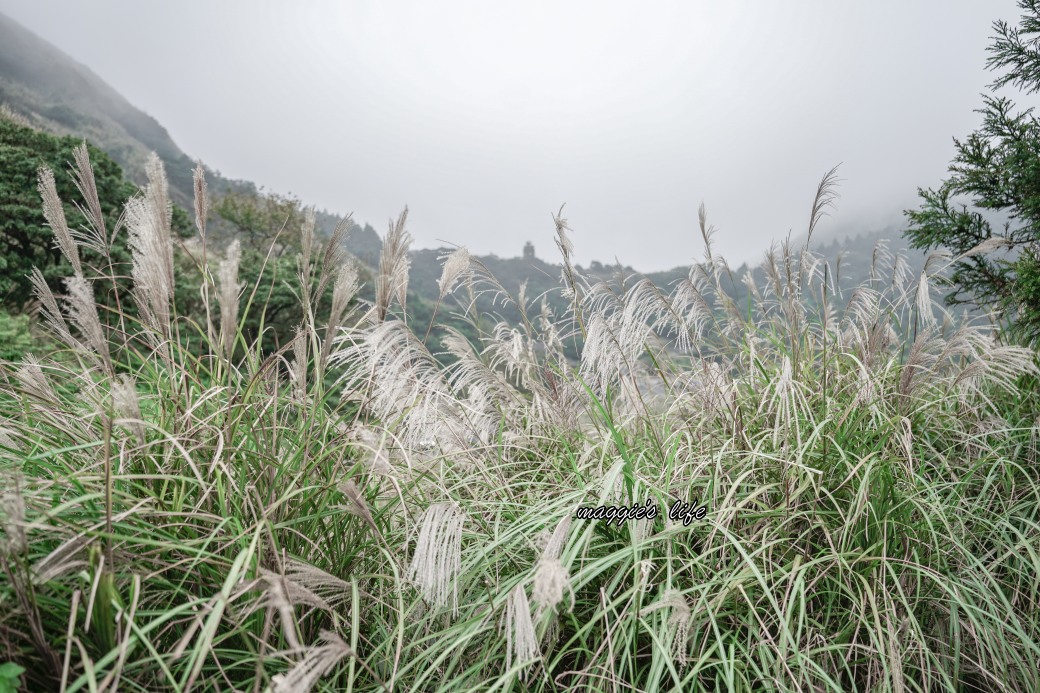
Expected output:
(846, 489)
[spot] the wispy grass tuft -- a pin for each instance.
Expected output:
(845, 484)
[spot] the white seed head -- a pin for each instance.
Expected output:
(550, 582)
(12, 517)
(318, 660)
(227, 296)
(54, 213)
(455, 264)
(558, 539)
(127, 405)
(84, 314)
(438, 555)
(521, 641)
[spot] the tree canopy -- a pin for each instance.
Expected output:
(986, 214)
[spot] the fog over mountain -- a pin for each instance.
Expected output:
(485, 119)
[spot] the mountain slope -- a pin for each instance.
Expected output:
(60, 95)
(56, 94)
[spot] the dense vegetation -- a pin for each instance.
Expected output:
(25, 239)
(242, 459)
(349, 513)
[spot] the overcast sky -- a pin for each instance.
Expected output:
(485, 117)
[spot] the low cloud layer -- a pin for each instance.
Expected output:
(485, 118)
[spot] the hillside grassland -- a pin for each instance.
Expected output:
(183, 510)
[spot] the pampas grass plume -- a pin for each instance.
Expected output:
(438, 555)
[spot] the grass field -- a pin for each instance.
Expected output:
(351, 514)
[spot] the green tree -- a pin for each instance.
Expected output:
(259, 219)
(994, 181)
(270, 229)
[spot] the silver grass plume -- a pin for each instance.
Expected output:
(866, 391)
(317, 661)
(570, 277)
(509, 353)
(357, 505)
(299, 364)
(148, 222)
(693, 312)
(438, 555)
(343, 290)
(918, 362)
(826, 195)
(282, 594)
(550, 577)
(333, 256)
(52, 314)
(879, 257)
(303, 264)
(54, 213)
(12, 517)
(126, 404)
(900, 274)
(469, 376)
(12, 116)
(521, 641)
(455, 265)
(227, 297)
(394, 264)
(6, 439)
(558, 539)
(376, 459)
(307, 236)
(96, 236)
(550, 582)
(602, 361)
(198, 175)
(678, 618)
(328, 589)
(83, 311)
(404, 382)
(924, 301)
(33, 381)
